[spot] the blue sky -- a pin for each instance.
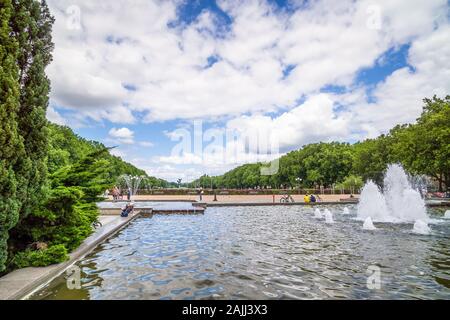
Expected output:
(294, 72)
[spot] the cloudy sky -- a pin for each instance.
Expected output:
(145, 75)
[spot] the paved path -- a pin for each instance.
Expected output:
(235, 198)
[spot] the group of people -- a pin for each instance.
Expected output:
(118, 194)
(310, 198)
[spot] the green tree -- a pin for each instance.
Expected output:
(371, 158)
(424, 148)
(11, 143)
(352, 182)
(79, 172)
(64, 219)
(31, 26)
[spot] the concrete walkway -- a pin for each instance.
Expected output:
(276, 204)
(223, 198)
(21, 283)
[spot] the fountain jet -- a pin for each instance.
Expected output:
(368, 224)
(447, 214)
(318, 214)
(328, 217)
(398, 202)
(133, 183)
(421, 227)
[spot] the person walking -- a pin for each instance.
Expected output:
(115, 193)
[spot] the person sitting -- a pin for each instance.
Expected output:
(313, 199)
(128, 210)
(307, 198)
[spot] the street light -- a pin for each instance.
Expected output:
(299, 183)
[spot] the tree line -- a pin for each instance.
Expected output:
(422, 148)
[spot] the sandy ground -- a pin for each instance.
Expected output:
(235, 198)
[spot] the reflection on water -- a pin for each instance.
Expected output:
(263, 253)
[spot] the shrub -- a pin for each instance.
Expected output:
(40, 258)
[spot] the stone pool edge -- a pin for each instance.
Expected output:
(22, 283)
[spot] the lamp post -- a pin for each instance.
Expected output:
(299, 182)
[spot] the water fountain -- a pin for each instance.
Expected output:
(368, 224)
(346, 211)
(132, 182)
(372, 203)
(420, 183)
(447, 214)
(421, 227)
(398, 202)
(328, 217)
(318, 214)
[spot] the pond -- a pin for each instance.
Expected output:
(264, 253)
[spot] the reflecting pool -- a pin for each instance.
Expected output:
(265, 253)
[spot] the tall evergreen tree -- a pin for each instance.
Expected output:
(12, 148)
(31, 26)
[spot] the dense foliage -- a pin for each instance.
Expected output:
(31, 26)
(78, 172)
(11, 142)
(26, 51)
(65, 148)
(63, 220)
(422, 148)
(321, 164)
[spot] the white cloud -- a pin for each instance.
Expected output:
(122, 135)
(328, 41)
(172, 173)
(146, 144)
(55, 117)
(185, 158)
(260, 138)
(399, 98)
(125, 64)
(315, 120)
(118, 153)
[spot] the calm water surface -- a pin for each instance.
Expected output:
(263, 253)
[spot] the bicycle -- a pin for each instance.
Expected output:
(287, 199)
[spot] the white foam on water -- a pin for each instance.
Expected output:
(328, 217)
(317, 214)
(421, 227)
(368, 224)
(398, 203)
(447, 214)
(346, 211)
